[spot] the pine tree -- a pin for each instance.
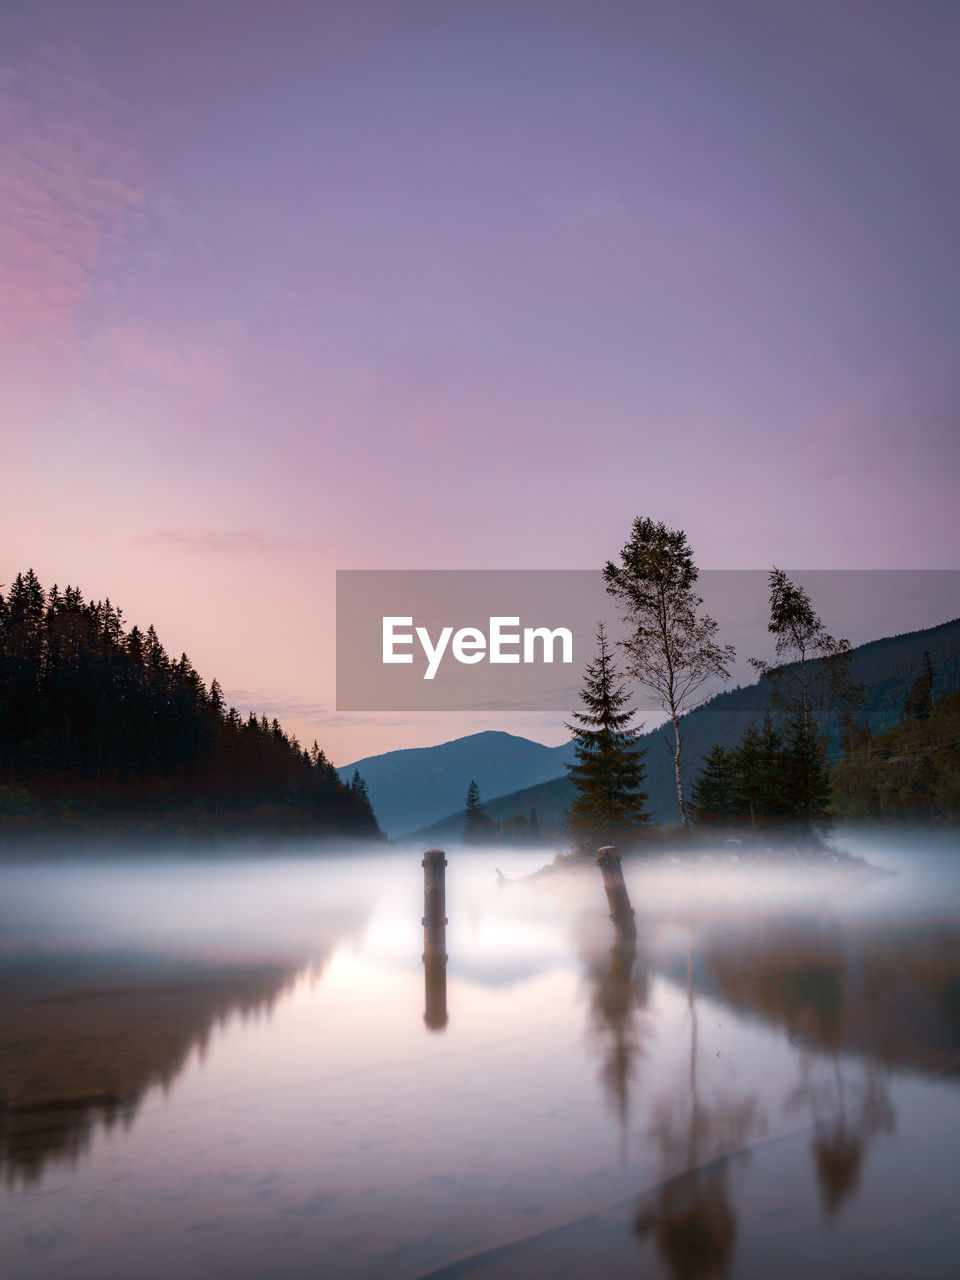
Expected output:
(215, 699)
(360, 793)
(608, 773)
(358, 786)
(712, 794)
(99, 720)
(772, 801)
(780, 776)
(758, 767)
(804, 778)
(477, 826)
(748, 783)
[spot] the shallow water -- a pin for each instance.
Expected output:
(243, 1067)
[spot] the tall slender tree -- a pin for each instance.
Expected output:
(801, 637)
(608, 773)
(672, 649)
(477, 826)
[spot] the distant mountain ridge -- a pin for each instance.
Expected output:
(887, 668)
(409, 788)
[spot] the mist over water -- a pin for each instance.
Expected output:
(251, 1066)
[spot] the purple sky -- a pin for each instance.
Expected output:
(295, 287)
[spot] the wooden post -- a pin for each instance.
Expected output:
(435, 988)
(434, 898)
(434, 939)
(621, 912)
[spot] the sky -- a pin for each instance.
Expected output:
(295, 287)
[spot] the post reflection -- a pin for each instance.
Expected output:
(434, 939)
(619, 992)
(618, 1001)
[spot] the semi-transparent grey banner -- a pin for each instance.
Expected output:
(519, 639)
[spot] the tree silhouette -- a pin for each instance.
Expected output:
(608, 772)
(672, 649)
(802, 637)
(772, 775)
(477, 827)
(712, 794)
(97, 721)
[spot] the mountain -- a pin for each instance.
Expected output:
(886, 668)
(410, 788)
(550, 799)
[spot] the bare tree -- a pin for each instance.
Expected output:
(672, 649)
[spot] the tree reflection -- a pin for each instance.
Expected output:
(847, 1119)
(690, 1215)
(693, 1225)
(830, 987)
(83, 1041)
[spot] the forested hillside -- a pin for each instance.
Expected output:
(98, 721)
(886, 669)
(911, 772)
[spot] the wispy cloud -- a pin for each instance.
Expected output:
(229, 542)
(65, 198)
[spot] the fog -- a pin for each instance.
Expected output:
(264, 1053)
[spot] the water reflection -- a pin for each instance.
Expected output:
(618, 998)
(856, 999)
(114, 977)
(882, 989)
(844, 1128)
(618, 994)
(759, 1064)
(690, 1215)
(85, 1037)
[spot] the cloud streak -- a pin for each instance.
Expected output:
(65, 199)
(227, 542)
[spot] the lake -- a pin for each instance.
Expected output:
(250, 1067)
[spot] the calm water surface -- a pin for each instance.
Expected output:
(244, 1068)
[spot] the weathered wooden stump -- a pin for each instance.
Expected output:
(434, 939)
(621, 912)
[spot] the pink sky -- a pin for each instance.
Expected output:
(293, 288)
